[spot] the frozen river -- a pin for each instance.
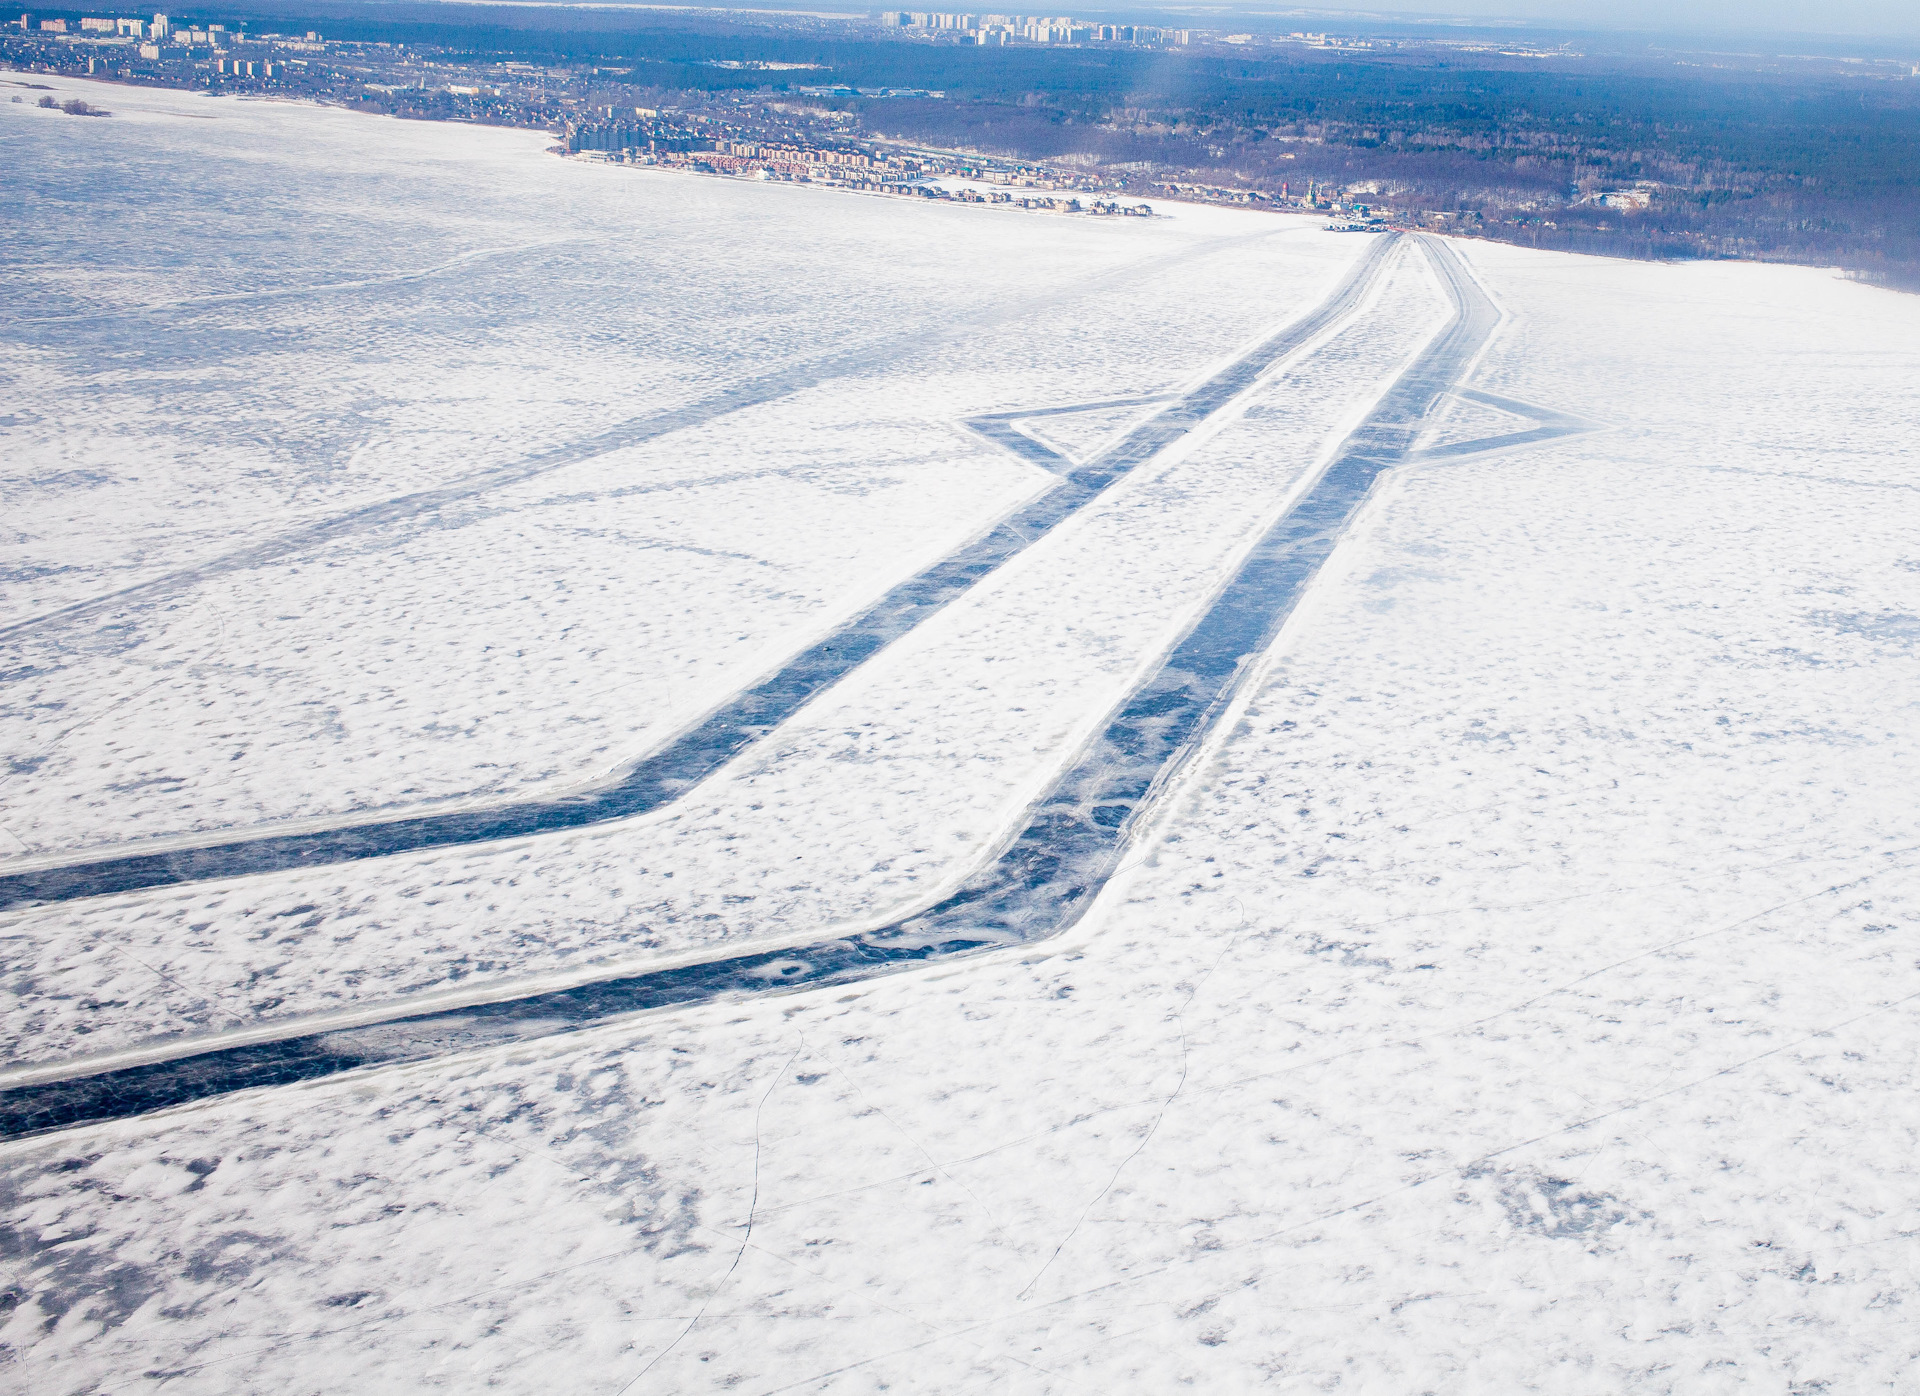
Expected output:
(743, 717)
(1058, 860)
(973, 800)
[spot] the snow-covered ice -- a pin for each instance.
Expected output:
(538, 632)
(1518, 993)
(881, 794)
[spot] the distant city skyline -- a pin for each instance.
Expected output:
(1893, 19)
(1866, 18)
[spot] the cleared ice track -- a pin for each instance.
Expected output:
(670, 772)
(1039, 885)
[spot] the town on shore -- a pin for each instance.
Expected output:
(787, 137)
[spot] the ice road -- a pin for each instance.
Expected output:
(603, 794)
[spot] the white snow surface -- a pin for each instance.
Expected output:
(1519, 995)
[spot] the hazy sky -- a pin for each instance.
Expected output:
(1888, 17)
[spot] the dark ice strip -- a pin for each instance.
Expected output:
(1549, 426)
(998, 428)
(1042, 883)
(664, 776)
(1481, 445)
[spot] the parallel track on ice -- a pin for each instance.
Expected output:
(1038, 885)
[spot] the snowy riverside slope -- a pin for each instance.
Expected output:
(1518, 994)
